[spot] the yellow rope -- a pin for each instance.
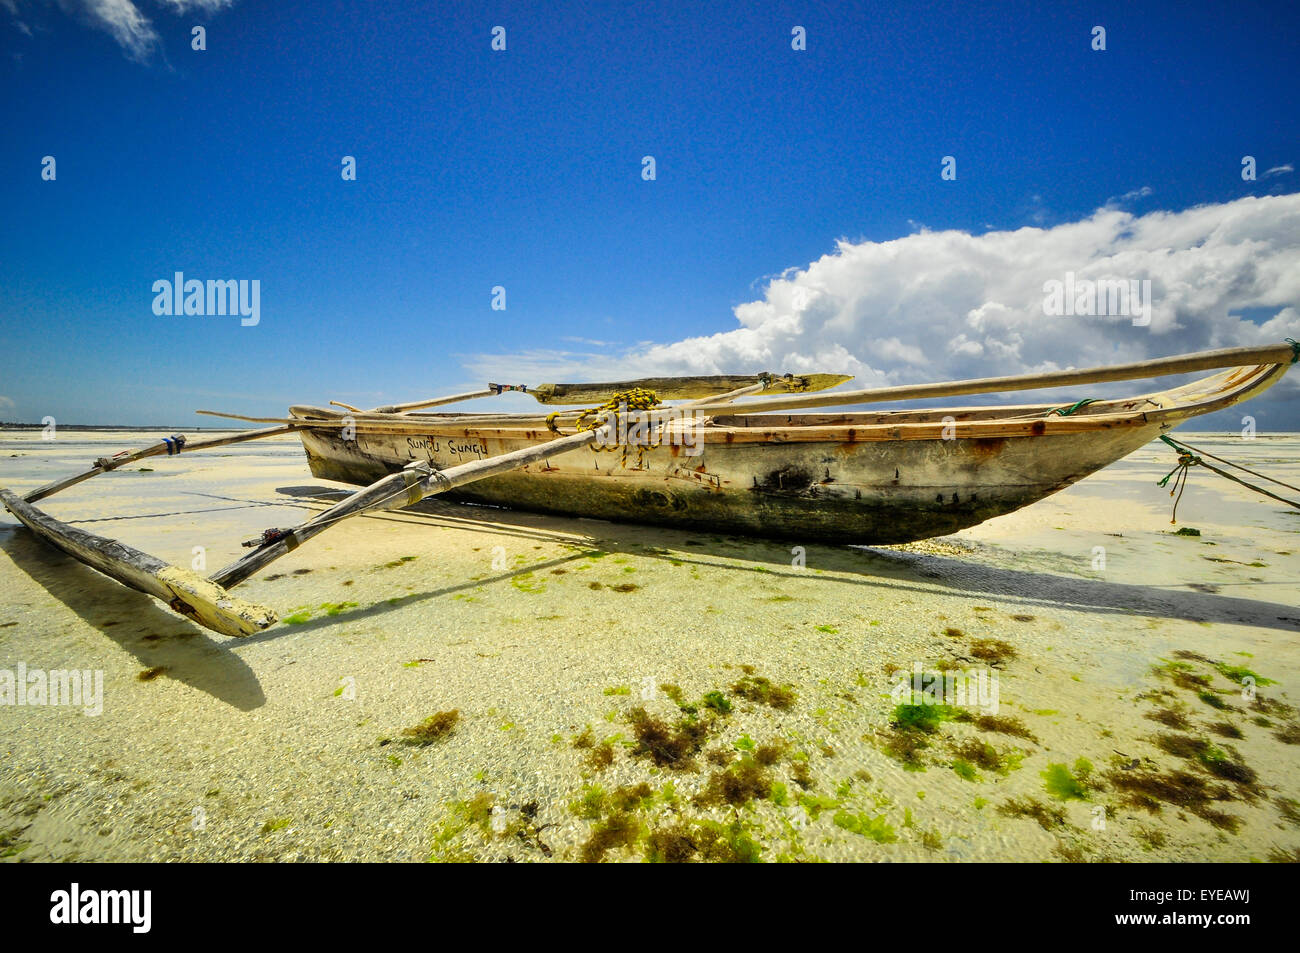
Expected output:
(639, 398)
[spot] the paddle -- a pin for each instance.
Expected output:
(667, 388)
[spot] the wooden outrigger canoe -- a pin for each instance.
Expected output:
(731, 459)
(867, 478)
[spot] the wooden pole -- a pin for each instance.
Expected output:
(1183, 364)
(171, 446)
(432, 402)
(183, 590)
(1160, 367)
(397, 490)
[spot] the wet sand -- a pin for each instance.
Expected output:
(1123, 732)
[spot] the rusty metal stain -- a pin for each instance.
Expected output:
(698, 476)
(985, 448)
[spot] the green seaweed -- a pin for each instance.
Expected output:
(981, 754)
(875, 828)
(923, 718)
(524, 583)
(716, 701)
(1065, 785)
(742, 782)
(965, 770)
(758, 689)
(668, 746)
(1239, 674)
(1048, 818)
(993, 651)
(434, 728)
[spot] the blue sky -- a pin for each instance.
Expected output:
(522, 169)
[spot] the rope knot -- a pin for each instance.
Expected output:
(638, 398)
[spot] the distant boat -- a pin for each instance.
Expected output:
(730, 459)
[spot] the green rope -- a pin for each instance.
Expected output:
(1066, 411)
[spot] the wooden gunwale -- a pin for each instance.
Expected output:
(1177, 403)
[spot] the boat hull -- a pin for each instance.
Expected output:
(873, 492)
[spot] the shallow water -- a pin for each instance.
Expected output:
(289, 744)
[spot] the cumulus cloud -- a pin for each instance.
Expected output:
(944, 305)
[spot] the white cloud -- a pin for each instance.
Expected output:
(120, 19)
(1280, 170)
(948, 305)
(124, 20)
(1130, 196)
(181, 7)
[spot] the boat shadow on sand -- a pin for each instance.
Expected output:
(901, 571)
(136, 622)
(157, 638)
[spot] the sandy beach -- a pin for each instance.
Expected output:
(623, 693)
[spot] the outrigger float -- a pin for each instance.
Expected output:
(731, 457)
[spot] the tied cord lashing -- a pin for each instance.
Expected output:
(273, 535)
(174, 444)
(1186, 460)
(1067, 411)
(639, 398)
(1189, 456)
